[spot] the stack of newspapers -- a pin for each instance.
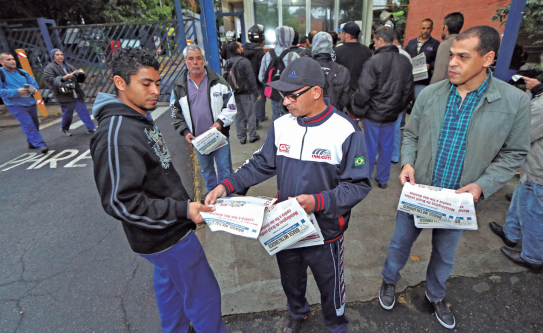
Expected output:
(435, 207)
(277, 227)
(209, 141)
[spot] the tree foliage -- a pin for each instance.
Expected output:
(532, 20)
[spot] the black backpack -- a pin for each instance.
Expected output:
(273, 73)
(329, 74)
(231, 75)
(3, 76)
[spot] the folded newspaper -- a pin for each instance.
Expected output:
(420, 71)
(242, 216)
(209, 141)
(284, 224)
(436, 207)
(311, 240)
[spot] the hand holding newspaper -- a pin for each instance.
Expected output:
(436, 207)
(209, 141)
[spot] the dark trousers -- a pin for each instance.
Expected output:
(326, 263)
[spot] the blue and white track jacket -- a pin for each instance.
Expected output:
(323, 156)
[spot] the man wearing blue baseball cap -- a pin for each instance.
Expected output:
(317, 154)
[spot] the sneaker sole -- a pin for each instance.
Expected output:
(388, 308)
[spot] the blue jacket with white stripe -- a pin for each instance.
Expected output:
(323, 156)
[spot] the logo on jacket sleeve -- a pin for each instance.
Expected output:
(284, 148)
(217, 94)
(321, 154)
(232, 107)
(359, 161)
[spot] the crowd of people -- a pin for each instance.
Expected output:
(338, 111)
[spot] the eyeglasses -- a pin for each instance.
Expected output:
(293, 97)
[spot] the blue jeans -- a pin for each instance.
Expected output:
(277, 109)
(379, 138)
(186, 289)
(444, 242)
(525, 221)
(82, 112)
(397, 140)
(28, 117)
(222, 158)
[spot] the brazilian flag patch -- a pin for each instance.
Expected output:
(359, 161)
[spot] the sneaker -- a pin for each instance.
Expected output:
(44, 149)
(66, 132)
(386, 295)
(255, 139)
(294, 326)
(31, 146)
(243, 141)
(258, 127)
(443, 314)
(383, 186)
(91, 132)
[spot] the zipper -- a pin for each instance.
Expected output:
(300, 162)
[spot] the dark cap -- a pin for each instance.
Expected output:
(299, 73)
(351, 28)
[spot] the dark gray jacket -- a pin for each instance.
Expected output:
(340, 96)
(53, 74)
(245, 76)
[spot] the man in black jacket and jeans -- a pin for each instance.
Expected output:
(385, 88)
(138, 185)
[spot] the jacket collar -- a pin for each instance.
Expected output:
(492, 94)
(212, 77)
(450, 37)
(318, 119)
(387, 48)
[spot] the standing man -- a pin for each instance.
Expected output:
(245, 93)
(64, 81)
(19, 100)
(295, 47)
(325, 173)
(427, 44)
(307, 51)
(385, 88)
(352, 54)
(525, 219)
(139, 186)
(201, 99)
(451, 28)
(469, 134)
(254, 52)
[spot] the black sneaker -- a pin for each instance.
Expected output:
(255, 139)
(243, 141)
(386, 295)
(498, 231)
(383, 186)
(44, 149)
(443, 314)
(294, 326)
(31, 146)
(91, 132)
(66, 132)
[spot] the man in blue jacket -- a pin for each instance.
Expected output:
(318, 155)
(20, 101)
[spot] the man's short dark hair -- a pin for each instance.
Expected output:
(126, 62)
(334, 37)
(303, 39)
(385, 32)
(454, 22)
(489, 38)
(232, 48)
(296, 39)
(310, 36)
(398, 36)
(3, 54)
(428, 20)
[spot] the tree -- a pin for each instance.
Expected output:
(532, 21)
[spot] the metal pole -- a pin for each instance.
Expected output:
(243, 32)
(207, 19)
(516, 11)
(307, 17)
(45, 34)
(181, 38)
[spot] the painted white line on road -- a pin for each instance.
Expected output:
(54, 122)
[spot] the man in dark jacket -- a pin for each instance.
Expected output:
(385, 88)
(451, 28)
(254, 52)
(64, 81)
(245, 93)
(427, 44)
(327, 175)
(307, 51)
(138, 185)
(295, 43)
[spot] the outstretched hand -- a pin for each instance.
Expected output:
(194, 212)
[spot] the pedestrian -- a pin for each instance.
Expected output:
(426, 44)
(65, 83)
(451, 28)
(307, 51)
(352, 54)
(334, 37)
(337, 78)
(15, 90)
(295, 47)
(297, 148)
(254, 51)
(245, 92)
(469, 134)
(278, 58)
(200, 100)
(139, 186)
(525, 218)
(385, 88)
(303, 42)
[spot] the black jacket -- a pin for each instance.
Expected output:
(385, 87)
(254, 53)
(53, 74)
(353, 56)
(430, 51)
(136, 180)
(340, 97)
(245, 76)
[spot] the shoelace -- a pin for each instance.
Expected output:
(389, 290)
(441, 308)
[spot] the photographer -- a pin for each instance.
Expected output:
(64, 81)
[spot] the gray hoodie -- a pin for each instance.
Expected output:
(103, 99)
(284, 37)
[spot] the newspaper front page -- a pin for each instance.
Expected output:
(420, 71)
(466, 218)
(209, 141)
(311, 240)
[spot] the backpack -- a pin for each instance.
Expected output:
(231, 75)
(274, 70)
(329, 74)
(3, 76)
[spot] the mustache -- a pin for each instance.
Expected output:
(454, 71)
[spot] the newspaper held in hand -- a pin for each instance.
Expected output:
(240, 216)
(313, 239)
(284, 224)
(466, 218)
(209, 141)
(420, 71)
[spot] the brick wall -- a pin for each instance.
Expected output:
(476, 12)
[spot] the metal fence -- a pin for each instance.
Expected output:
(90, 48)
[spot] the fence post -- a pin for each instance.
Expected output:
(45, 33)
(207, 19)
(516, 11)
(4, 46)
(181, 38)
